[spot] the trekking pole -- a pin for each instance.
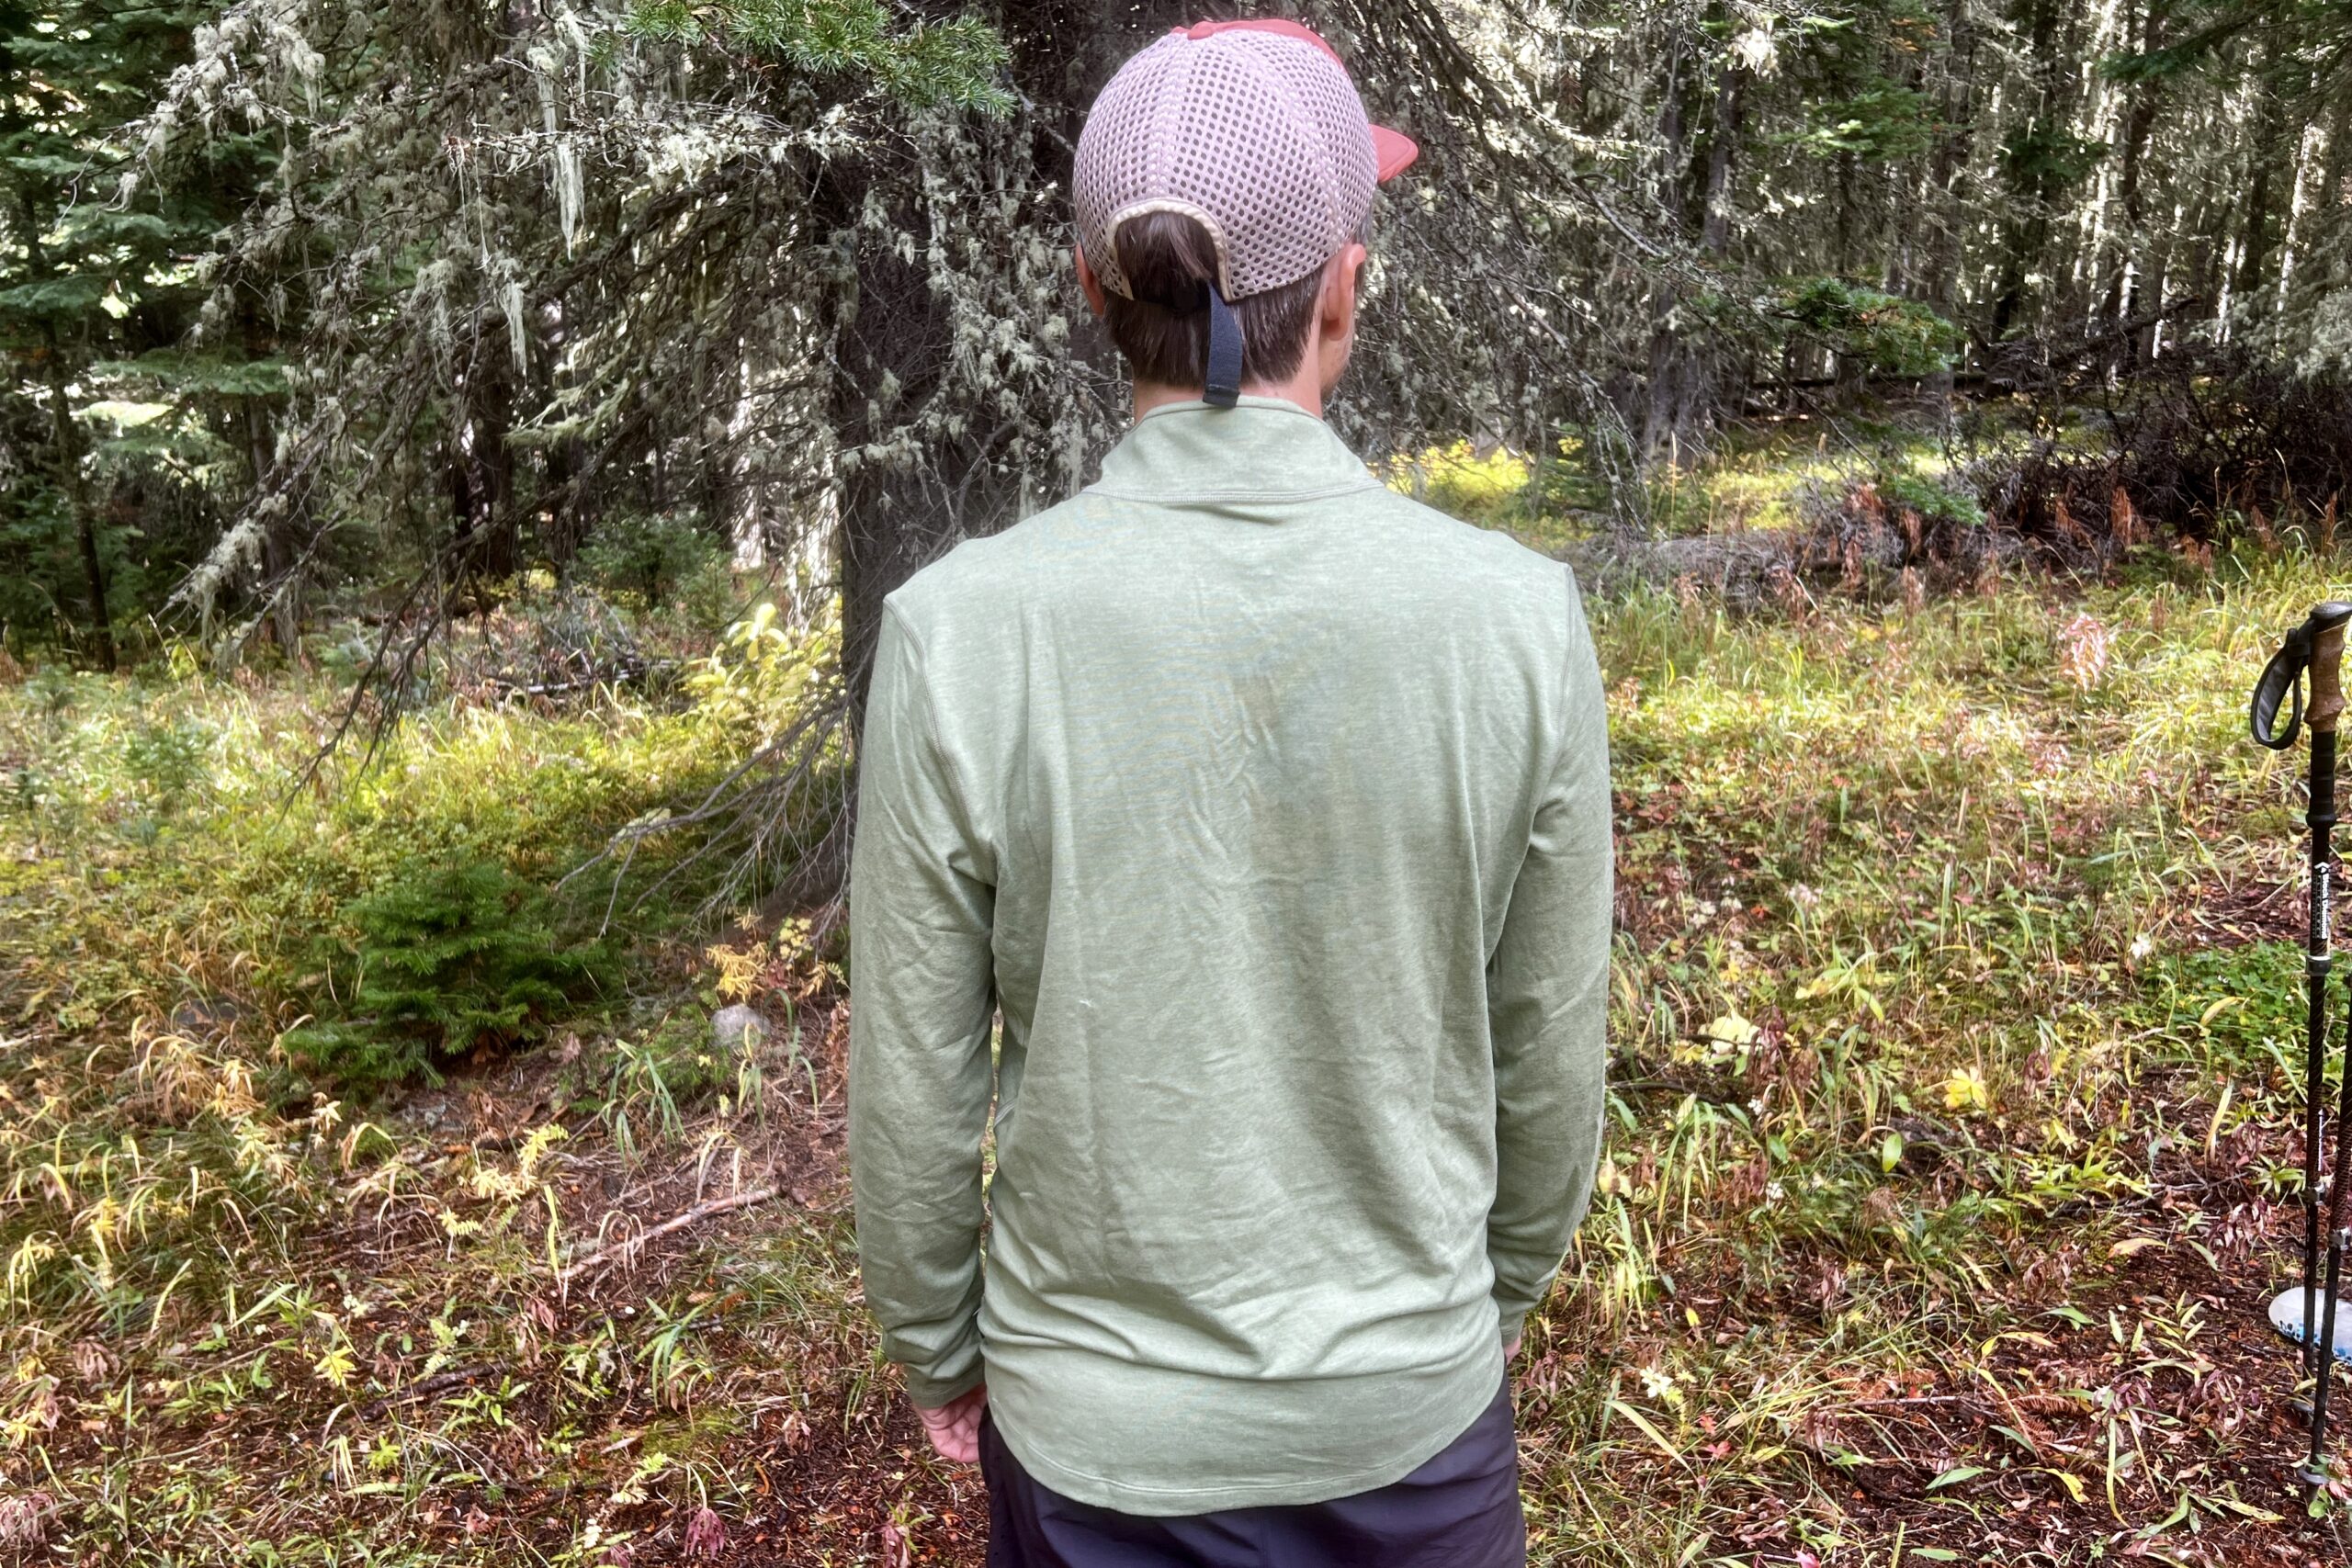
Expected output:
(2339, 1216)
(2317, 646)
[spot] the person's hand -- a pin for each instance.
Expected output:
(1510, 1349)
(954, 1427)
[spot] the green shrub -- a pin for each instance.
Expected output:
(646, 559)
(1865, 325)
(1900, 487)
(449, 958)
(168, 759)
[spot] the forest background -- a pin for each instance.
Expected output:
(315, 308)
(453, 461)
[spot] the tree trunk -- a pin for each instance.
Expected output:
(897, 514)
(2031, 189)
(2129, 286)
(285, 620)
(1703, 371)
(1722, 153)
(2338, 167)
(2256, 249)
(85, 525)
(68, 437)
(2253, 257)
(1658, 421)
(569, 509)
(1948, 178)
(481, 480)
(2148, 341)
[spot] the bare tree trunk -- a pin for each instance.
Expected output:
(2253, 257)
(1948, 178)
(1702, 372)
(570, 503)
(1658, 423)
(1722, 154)
(2338, 167)
(483, 472)
(85, 525)
(2125, 290)
(2029, 230)
(897, 515)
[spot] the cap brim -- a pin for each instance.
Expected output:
(1393, 152)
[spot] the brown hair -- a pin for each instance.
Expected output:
(1164, 330)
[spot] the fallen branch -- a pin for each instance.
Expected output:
(611, 677)
(425, 1387)
(694, 1215)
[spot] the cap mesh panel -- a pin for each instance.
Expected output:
(1263, 133)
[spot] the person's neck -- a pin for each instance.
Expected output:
(1304, 389)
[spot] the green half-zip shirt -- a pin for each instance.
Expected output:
(1270, 809)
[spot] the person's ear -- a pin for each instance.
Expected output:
(1335, 316)
(1336, 306)
(1088, 284)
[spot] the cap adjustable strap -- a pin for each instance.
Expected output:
(1224, 352)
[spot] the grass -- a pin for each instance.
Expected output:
(1956, 1028)
(1925, 1048)
(1755, 478)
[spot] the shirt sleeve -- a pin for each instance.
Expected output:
(922, 997)
(1547, 1003)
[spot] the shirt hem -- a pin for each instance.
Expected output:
(1452, 1417)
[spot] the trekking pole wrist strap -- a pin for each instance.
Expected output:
(2282, 682)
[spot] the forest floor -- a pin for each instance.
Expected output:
(1956, 1034)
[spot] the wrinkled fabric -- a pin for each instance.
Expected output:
(1270, 811)
(1460, 1509)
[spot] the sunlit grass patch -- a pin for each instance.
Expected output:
(1488, 488)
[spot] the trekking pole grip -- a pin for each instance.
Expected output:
(2316, 648)
(2327, 624)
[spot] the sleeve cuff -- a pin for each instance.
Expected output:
(931, 1393)
(948, 1378)
(1512, 1322)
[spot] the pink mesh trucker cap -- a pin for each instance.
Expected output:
(1253, 129)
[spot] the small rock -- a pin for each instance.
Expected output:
(738, 1024)
(204, 1016)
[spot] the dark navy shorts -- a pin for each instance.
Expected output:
(1460, 1510)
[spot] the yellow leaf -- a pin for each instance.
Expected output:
(2135, 1244)
(1732, 1029)
(1965, 1091)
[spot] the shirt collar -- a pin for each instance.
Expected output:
(1261, 449)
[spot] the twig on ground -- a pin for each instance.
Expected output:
(432, 1385)
(679, 1221)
